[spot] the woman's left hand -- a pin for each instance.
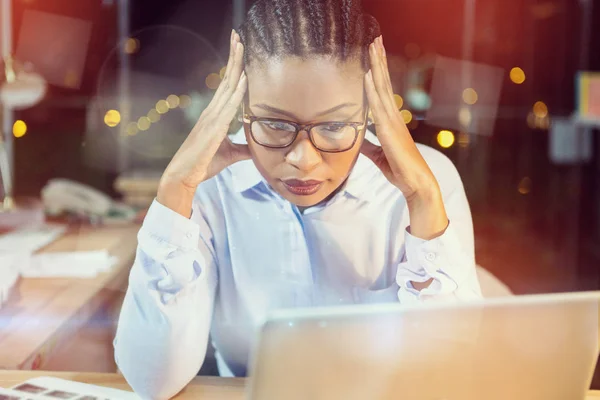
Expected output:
(398, 157)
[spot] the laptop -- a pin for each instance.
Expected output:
(520, 348)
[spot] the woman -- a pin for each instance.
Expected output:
(307, 213)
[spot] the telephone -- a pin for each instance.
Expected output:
(63, 195)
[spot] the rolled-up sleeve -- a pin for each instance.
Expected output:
(164, 323)
(449, 259)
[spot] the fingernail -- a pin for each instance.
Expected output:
(231, 36)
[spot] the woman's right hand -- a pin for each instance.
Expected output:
(207, 150)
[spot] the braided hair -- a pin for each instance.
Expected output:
(275, 29)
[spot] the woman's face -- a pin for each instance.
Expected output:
(305, 91)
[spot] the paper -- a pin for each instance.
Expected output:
(54, 388)
(80, 264)
(30, 239)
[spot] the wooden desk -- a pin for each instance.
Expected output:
(201, 388)
(43, 314)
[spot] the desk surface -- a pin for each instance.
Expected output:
(204, 388)
(42, 312)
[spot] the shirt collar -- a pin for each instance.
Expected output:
(359, 184)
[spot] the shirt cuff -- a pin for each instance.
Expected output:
(167, 226)
(441, 258)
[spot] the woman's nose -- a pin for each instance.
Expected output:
(303, 155)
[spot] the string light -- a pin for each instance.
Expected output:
(212, 81)
(185, 101)
(540, 109)
(399, 101)
(144, 123)
(131, 129)
(465, 117)
(173, 101)
(162, 106)
(445, 138)
(132, 45)
(470, 96)
(463, 139)
(19, 128)
(112, 118)
(517, 75)
(525, 185)
(153, 115)
(407, 116)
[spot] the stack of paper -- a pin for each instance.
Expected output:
(55, 388)
(16, 248)
(79, 264)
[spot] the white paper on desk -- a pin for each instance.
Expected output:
(79, 264)
(44, 386)
(30, 238)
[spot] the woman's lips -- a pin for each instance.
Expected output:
(302, 188)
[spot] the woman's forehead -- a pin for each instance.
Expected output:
(306, 86)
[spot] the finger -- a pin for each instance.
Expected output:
(226, 82)
(230, 61)
(234, 78)
(230, 107)
(239, 152)
(380, 115)
(385, 71)
(372, 151)
(375, 105)
(379, 80)
(385, 64)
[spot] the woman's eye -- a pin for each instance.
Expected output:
(279, 126)
(333, 128)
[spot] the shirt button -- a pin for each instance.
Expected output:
(430, 256)
(188, 235)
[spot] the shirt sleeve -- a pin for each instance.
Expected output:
(164, 323)
(448, 259)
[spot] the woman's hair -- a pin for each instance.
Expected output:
(308, 28)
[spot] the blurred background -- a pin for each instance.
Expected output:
(506, 88)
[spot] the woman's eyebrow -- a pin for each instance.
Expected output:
(269, 108)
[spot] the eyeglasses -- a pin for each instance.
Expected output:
(329, 137)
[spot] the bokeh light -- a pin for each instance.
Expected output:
(185, 101)
(463, 139)
(153, 115)
(407, 116)
(517, 75)
(399, 101)
(112, 118)
(212, 81)
(162, 106)
(144, 123)
(445, 138)
(19, 128)
(173, 101)
(131, 129)
(540, 109)
(132, 46)
(469, 96)
(465, 117)
(525, 185)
